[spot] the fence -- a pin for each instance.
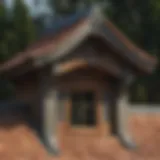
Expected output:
(145, 108)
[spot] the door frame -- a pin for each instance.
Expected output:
(81, 84)
(96, 130)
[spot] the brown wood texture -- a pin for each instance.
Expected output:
(77, 81)
(80, 80)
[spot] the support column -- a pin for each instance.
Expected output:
(122, 114)
(49, 111)
(121, 111)
(106, 113)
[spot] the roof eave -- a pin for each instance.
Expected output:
(145, 64)
(18, 70)
(94, 24)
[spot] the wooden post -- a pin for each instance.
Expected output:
(49, 110)
(121, 110)
(106, 112)
(103, 114)
(122, 114)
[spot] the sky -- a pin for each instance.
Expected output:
(35, 10)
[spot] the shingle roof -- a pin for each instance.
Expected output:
(63, 28)
(57, 24)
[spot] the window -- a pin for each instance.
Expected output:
(83, 110)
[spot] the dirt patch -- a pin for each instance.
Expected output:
(19, 142)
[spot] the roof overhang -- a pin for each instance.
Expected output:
(67, 41)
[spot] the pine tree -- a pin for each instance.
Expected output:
(63, 7)
(3, 30)
(23, 25)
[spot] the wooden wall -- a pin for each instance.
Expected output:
(83, 80)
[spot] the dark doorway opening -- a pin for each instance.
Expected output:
(83, 111)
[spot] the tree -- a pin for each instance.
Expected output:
(16, 33)
(2, 21)
(64, 7)
(23, 25)
(3, 30)
(140, 20)
(5, 86)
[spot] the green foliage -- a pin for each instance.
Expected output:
(11, 41)
(6, 89)
(4, 51)
(2, 21)
(16, 33)
(23, 25)
(63, 7)
(141, 94)
(3, 46)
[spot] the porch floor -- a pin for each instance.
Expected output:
(18, 142)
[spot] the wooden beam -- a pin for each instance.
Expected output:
(69, 66)
(107, 64)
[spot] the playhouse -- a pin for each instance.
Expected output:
(79, 78)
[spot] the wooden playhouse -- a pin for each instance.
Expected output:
(78, 79)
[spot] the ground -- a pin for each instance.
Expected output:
(18, 142)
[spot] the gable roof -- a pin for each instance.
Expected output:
(64, 37)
